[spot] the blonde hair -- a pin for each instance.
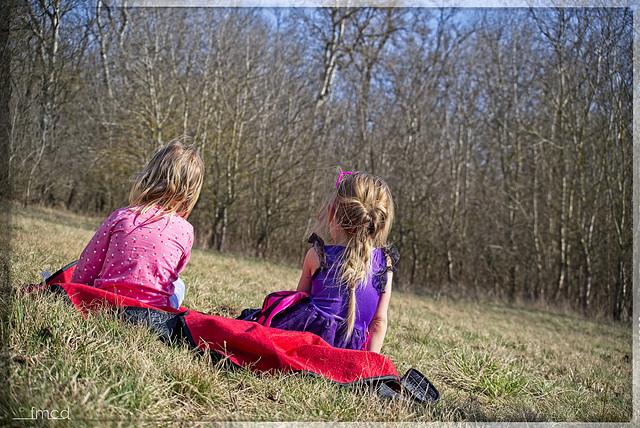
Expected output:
(362, 205)
(172, 179)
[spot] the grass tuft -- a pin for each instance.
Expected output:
(483, 372)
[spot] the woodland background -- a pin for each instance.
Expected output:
(505, 134)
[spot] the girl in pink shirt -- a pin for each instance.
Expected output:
(140, 249)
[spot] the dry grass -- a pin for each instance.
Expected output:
(491, 362)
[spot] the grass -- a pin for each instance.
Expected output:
(490, 361)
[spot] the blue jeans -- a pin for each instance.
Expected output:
(178, 293)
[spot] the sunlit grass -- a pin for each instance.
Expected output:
(490, 361)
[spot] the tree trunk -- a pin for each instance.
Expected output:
(6, 16)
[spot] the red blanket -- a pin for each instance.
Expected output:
(245, 343)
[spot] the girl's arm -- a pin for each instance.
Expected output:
(378, 325)
(187, 245)
(311, 263)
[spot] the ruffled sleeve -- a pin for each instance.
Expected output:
(380, 279)
(318, 246)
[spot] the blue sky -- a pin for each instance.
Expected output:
(403, 3)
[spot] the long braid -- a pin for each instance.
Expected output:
(364, 209)
(354, 270)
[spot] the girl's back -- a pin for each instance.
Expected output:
(137, 255)
(331, 296)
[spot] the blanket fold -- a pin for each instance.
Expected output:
(250, 345)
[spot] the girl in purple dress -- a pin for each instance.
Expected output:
(349, 283)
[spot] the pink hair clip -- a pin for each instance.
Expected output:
(340, 177)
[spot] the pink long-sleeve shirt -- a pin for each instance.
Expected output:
(135, 257)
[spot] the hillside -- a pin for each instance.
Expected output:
(490, 361)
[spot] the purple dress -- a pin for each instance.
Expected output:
(325, 312)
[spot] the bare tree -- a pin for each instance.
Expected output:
(505, 135)
(6, 19)
(45, 28)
